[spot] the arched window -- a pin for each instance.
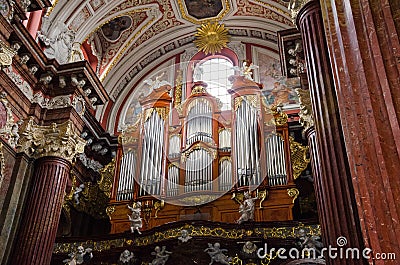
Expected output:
(215, 72)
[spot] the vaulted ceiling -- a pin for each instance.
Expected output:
(129, 38)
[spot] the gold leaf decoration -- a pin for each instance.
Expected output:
(211, 38)
(298, 157)
(107, 177)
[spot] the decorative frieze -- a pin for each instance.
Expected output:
(57, 140)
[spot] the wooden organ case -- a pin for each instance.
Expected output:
(194, 162)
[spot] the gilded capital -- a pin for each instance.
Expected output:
(295, 6)
(58, 140)
(306, 113)
(6, 55)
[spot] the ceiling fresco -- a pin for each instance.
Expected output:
(129, 37)
(202, 9)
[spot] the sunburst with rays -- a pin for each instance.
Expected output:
(211, 37)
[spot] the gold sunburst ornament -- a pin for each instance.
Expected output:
(211, 37)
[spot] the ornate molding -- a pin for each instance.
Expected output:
(252, 100)
(306, 113)
(298, 156)
(163, 112)
(198, 146)
(101, 245)
(199, 89)
(58, 140)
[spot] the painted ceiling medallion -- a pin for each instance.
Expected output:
(211, 37)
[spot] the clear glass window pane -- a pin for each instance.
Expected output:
(215, 73)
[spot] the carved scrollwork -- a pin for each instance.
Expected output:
(298, 157)
(107, 176)
(293, 193)
(163, 112)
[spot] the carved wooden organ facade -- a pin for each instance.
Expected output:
(194, 161)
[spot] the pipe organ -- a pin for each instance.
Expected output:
(196, 150)
(126, 176)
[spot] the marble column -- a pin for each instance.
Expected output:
(364, 47)
(53, 147)
(334, 188)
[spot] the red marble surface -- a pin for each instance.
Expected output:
(333, 185)
(41, 216)
(364, 47)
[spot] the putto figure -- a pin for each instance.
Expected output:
(246, 209)
(134, 218)
(126, 258)
(217, 254)
(81, 256)
(161, 254)
(184, 236)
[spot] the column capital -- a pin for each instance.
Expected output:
(295, 6)
(306, 113)
(59, 140)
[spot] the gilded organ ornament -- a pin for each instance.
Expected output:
(299, 157)
(211, 37)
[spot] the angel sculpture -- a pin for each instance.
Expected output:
(81, 256)
(309, 241)
(58, 41)
(246, 209)
(161, 256)
(184, 236)
(246, 70)
(156, 83)
(217, 254)
(134, 218)
(126, 258)
(77, 192)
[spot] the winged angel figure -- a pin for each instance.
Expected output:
(246, 70)
(156, 83)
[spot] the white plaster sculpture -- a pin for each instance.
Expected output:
(217, 254)
(184, 236)
(126, 257)
(77, 192)
(80, 256)
(58, 42)
(161, 255)
(246, 209)
(134, 218)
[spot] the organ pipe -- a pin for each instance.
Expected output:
(126, 176)
(152, 153)
(276, 163)
(246, 142)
